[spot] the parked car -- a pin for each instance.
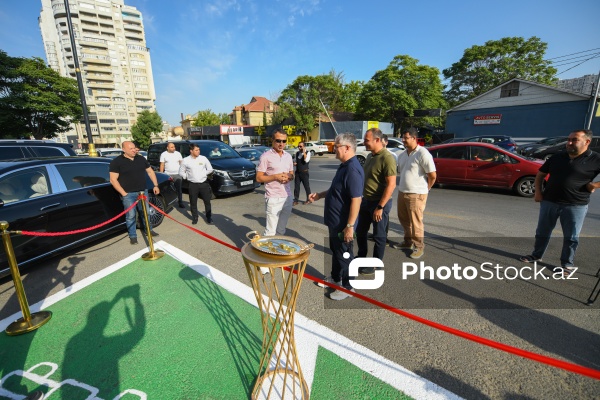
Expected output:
(506, 142)
(548, 152)
(394, 145)
(232, 172)
(251, 154)
(453, 140)
(530, 148)
(65, 194)
(316, 148)
(483, 164)
(22, 149)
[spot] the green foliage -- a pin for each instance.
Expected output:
(209, 118)
(147, 123)
(351, 95)
(482, 68)
(392, 94)
(34, 99)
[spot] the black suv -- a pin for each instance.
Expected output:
(232, 172)
(22, 149)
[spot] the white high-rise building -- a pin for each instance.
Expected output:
(113, 58)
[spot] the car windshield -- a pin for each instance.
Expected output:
(250, 154)
(217, 151)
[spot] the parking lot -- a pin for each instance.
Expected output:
(490, 219)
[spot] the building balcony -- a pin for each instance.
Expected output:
(91, 58)
(96, 67)
(59, 10)
(95, 42)
(100, 85)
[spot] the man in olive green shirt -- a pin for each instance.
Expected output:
(380, 182)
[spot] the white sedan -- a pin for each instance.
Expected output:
(316, 148)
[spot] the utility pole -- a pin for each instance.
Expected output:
(590, 115)
(91, 148)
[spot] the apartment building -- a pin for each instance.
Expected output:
(584, 84)
(115, 63)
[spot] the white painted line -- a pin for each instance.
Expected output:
(309, 334)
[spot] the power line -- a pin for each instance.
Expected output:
(579, 52)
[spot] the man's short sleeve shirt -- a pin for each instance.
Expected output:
(272, 163)
(171, 161)
(378, 167)
(132, 173)
(413, 169)
(569, 177)
(348, 183)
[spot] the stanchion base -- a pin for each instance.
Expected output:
(280, 383)
(153, 256)
(21, 326)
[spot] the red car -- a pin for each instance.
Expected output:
(482, 164)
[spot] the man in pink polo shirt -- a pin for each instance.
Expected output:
(276, 171)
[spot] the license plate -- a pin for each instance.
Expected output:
(245, 183)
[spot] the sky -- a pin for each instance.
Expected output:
(219, 54)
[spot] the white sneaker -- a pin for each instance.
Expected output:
(264, 270)
(339, 295)
(329, 279)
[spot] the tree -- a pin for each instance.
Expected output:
(351, 95)
(209, 118)
(302, 99)
(482, 68)
(394, 93)
(34, 99)
(147, 123)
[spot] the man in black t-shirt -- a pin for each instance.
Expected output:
(128, 177)
(565, 197)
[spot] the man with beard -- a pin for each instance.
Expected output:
(566, 197)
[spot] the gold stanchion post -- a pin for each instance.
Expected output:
(279, 374)
(29, 322)
(153, 254)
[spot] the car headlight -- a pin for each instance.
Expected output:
(223, 174)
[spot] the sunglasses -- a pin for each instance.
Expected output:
(280, 140)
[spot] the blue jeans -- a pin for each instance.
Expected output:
(128, 200)
(571, 220)
(365, 219)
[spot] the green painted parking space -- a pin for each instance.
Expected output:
(163, 331)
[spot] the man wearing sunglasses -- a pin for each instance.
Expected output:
(301, 162)
(276, 170)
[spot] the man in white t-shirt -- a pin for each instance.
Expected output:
(170, 162)
(417, 176)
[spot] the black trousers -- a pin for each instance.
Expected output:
(203, 190)
(301, 176)
(177, 181)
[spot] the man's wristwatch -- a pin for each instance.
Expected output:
(379, 207)
(349, 226)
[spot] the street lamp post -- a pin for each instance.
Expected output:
(86, 119)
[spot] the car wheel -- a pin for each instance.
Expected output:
(525, 186)
(154, 217)
(547, 156)
(312, 153)
(361, 160)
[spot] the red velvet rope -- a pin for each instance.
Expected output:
(91, 228)
(592, 373)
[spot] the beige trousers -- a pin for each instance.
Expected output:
(411, 207)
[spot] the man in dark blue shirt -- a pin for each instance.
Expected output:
(565, 197)
(342, 203)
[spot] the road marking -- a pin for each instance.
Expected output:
(309, 334)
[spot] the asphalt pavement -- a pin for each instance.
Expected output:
(462, 226)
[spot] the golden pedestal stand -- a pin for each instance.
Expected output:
(279, 374)
(152, 254)
(29, 322)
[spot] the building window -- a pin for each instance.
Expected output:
(510, 90)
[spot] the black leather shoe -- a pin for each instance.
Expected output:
(209, 220)
(133, 240)
(153, 234)
(194, 221)
(181, 205)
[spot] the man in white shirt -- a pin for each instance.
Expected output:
(196, 168)
(417, 176)
(170, 161)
